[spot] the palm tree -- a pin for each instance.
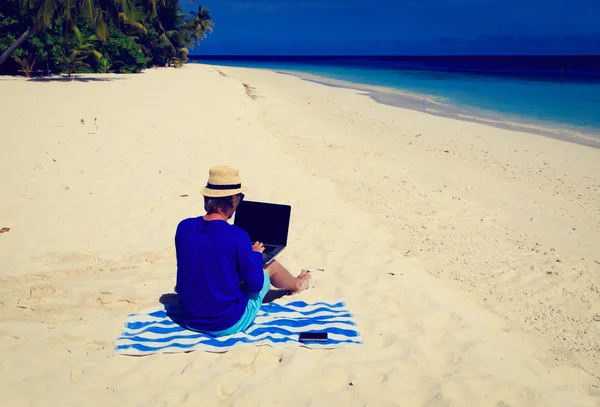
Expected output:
(152, 5)
(200, 24)
(104, 64)
(173, 35)
(26, 63)
(100, 12)
(77, 52)
(176, 33)
(176, 41)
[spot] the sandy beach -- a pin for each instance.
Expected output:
(470, 255)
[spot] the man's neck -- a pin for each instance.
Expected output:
(215, 216)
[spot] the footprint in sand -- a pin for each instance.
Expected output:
(39, 293)
(41, 290)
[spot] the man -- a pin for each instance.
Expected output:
(220, 279)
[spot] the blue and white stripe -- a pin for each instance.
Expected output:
(276, 325)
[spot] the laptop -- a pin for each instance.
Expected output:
(267, 223)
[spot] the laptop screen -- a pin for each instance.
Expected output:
(264, 222)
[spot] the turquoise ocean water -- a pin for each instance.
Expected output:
(554, 96)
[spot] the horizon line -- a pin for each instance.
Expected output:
(389, 55)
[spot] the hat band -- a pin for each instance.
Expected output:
(223, 187)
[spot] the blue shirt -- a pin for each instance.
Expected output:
(216, 268)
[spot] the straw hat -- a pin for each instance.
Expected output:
(223, 181)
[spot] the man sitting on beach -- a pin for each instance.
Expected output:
(220, 279)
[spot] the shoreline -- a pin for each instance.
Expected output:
(431, 105)
(427, 104)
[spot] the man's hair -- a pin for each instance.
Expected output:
(222, 205)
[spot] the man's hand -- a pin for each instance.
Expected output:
(258, 247)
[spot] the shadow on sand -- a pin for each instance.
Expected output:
(272, 295)
(74, 79)
(173, 306)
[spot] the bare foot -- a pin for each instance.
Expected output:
(302, 281)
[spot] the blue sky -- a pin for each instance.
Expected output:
(401, 27)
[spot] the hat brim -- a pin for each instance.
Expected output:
(221, 193)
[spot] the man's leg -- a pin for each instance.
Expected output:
(281, 278)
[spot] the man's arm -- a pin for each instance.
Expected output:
(179, 250)
(249, 264)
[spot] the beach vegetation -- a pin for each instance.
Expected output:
(104, 65)
(123, 51)
(76, 52)
(42, 13)
(27, 62)
(101, 36)
(200, 24)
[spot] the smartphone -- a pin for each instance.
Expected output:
(313, 337)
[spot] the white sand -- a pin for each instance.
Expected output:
(492, 237)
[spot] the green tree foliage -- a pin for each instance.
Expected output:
(122, 52)
(27, 63)
(39, 45)
(173, 32)
(101, 13)
(131, 36)
(104, 65)
(200, 24)
(76, 52)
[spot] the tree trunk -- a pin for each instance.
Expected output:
(24, 37)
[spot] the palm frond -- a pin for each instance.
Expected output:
(77, 34)
(166, 42)
(175, 35)
(26, 63)
(199, 25)
(152, 5)
(67, 13)
(104, 64)
(45, 13)
(88, 7)
(130, 11)
(141, 27)
(100, 24)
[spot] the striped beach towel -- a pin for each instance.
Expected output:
(155, 330)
